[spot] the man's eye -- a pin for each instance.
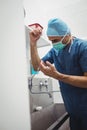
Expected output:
(53, 41)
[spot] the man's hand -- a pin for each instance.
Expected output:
(34, 36)
(48, 69)
(77, 81)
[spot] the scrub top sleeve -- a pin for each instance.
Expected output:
(83, 57)
(48, 57)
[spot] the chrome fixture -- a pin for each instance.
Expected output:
(41, 84)
(46, 84)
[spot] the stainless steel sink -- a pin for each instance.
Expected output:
(50, 118)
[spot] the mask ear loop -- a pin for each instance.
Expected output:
(71, 42)
(70, 46)
(64, 36)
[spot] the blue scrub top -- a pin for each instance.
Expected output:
(71, 60)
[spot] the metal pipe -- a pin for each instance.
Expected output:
(43, 92)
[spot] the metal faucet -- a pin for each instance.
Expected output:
(30, 85)
(46, 84)
(40, 84)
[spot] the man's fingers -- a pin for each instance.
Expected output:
(48, 63)
(42, 65)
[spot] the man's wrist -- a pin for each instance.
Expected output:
(33, 44)
(60, 76)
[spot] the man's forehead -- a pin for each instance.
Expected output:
(54, 37)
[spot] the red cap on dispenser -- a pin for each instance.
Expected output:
(35, 25)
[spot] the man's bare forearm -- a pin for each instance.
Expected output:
(35, 59)
(78, 81)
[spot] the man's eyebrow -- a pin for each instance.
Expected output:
(55, 40)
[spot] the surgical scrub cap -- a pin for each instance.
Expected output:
(56, 27)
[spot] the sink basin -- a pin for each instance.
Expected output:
(50, 117)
